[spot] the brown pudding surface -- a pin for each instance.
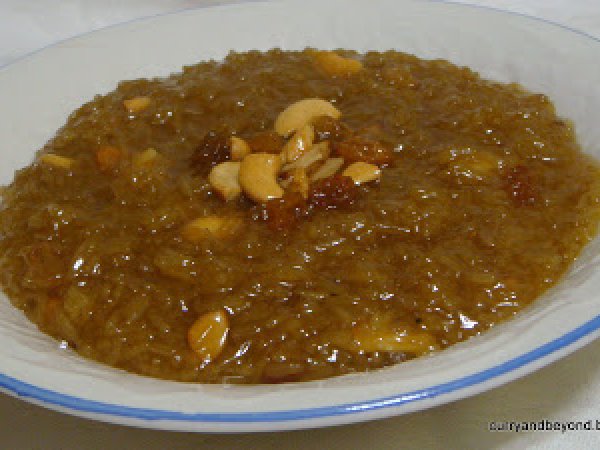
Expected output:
(475, 199)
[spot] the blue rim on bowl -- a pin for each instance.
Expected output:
(79, 404)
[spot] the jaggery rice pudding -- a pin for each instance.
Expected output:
(294, 215)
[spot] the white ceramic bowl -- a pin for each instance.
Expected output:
(39, 92)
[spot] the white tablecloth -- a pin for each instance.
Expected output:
(568, 390)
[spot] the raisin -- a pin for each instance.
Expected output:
(334, 192)
(327, 128)
(521, 187)
(212, 150)
(266, 142)
(284, 213)
(366, 150)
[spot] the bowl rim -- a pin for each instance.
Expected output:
(547, 353)
(496, 375)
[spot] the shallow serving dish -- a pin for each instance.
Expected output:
(41, 90)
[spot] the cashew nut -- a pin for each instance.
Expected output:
(136, 104)
(298, 144)
(303, 112)
(239, 148)
(216, 226)
(258, 176)
(61, 162)
(362, 172)
(224, 179)
(208, 334)
(333, 64)
(327, 169)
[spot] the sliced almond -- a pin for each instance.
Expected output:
(329, 168)
(318, 152)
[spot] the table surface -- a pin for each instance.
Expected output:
(565, 391)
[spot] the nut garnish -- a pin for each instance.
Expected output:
(207, 336)
(258, 176)
(333, 64)
(298, 144)
(224, 179)
(309, 158)
(61, 162)
(303, 112)
(328, 168)
(239, 148)
(136, 104)
(362, 172)
(369, 340)
(301, 177)
(216, 226)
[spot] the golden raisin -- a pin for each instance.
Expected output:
(370, 151)
(284, 213)
(266, 142)
(212, 150)
(329, 129)
(334, 192)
